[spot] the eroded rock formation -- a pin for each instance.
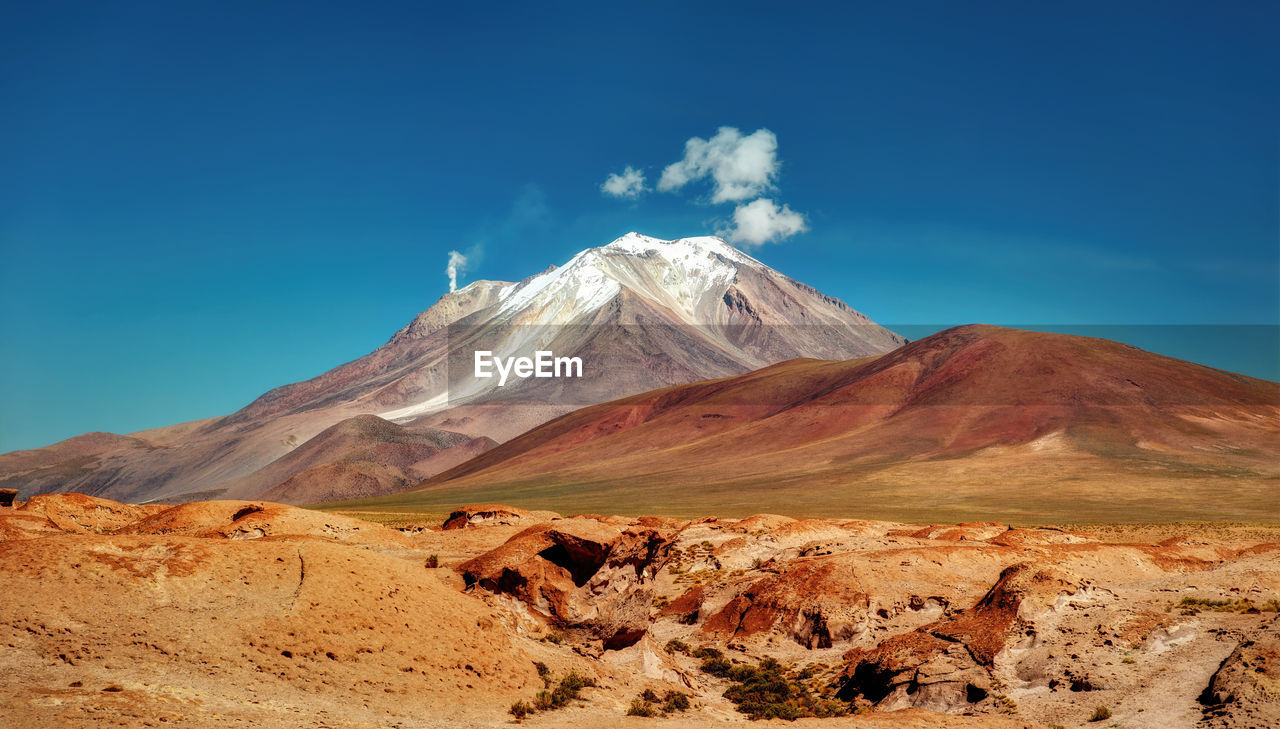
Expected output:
(582, 574)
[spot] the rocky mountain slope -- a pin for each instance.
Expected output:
(976, 419)
(640, 312)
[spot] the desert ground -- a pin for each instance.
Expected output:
(256, 614)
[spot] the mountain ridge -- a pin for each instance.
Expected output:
(996, 415)
(654, 311)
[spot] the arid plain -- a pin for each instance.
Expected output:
(234, 613)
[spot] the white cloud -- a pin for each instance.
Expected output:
(457, 264)
(740, 167)
(627, 185)
(762, 221)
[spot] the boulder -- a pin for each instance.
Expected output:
(494, 515)
(946, 665)
(812, 601)
(581, 574)
(967, 531)
(1245, 690)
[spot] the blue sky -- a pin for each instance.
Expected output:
(200, 201)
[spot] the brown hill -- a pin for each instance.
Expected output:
(41, 470)
(360, 456)
(1013, 424)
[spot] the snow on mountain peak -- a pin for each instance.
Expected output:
(701, 282)
(681, 274)
(679, 249)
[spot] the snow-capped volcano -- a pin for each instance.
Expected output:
(640, 313)
(683, 275)
(690, 308)
(700, 281)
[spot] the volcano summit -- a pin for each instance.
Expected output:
(639, 312)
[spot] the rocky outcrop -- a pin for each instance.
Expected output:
(78, 513)
(1245, 690)
(813, 602)
(946, 665)
(967, 531)
(687, 608)
(581, 574)
(46, 514)
(766, 537)
(257, 519)
(917, 669)
(494, 515)
(17, 525)
(278, 616)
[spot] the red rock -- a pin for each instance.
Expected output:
(945, 665)
(494, 515)
(687, 607)
(579, 573)
(809, 601)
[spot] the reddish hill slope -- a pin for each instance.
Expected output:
(360, 456)
(1030, 425)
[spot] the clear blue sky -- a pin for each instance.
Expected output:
(200, 201)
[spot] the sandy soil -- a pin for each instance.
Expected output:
(250, 614)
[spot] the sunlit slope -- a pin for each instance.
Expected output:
(974, 422)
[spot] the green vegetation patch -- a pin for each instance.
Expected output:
(769, 690)
(567, 690)
(1193, 605)
(675, 645)
(650, 704)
